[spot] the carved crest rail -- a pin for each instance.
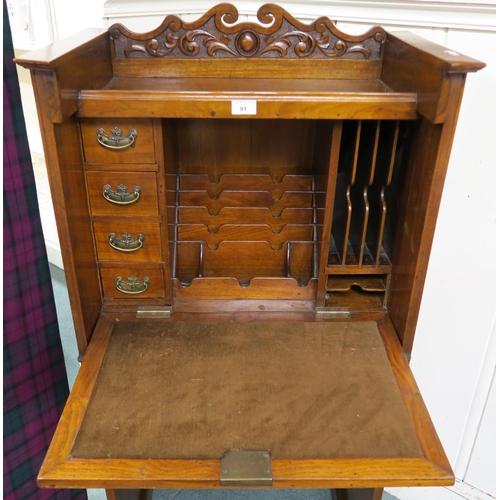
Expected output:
(217, 35)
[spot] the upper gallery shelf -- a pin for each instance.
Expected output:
(258, 97)
(195, 69)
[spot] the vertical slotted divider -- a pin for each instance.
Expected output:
(363, 171)
(345, 240)
(385, 162)
(385, 185)
(367, 161)
(366, 181)
(333, 165)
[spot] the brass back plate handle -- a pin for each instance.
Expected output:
(126, 243)
(116, 140)
(133, 285)
(121, 196)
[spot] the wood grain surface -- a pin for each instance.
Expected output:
(150, 250)
(142, 150)
(359, 129)
(146, 204)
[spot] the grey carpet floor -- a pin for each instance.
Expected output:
(72, 366)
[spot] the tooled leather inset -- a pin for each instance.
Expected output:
(217, 35)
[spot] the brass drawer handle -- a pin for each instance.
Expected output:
(122, 196)
(126, 243)
(116, 140)
(132, 286)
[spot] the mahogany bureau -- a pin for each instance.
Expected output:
(246, 212)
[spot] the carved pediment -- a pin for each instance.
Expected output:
(217, 34)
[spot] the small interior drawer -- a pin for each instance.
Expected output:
(139, 189)
(140, 282)
(119, 141)
(133, 240)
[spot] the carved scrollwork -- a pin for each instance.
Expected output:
(190, 47)
(304, 45)
(359, 49)
(337, 49)
(154, 48)
(217, 34)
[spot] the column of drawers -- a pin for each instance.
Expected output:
(121, 175)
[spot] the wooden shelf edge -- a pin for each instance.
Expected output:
(321, 473)
(419, 416)
(74, 410)
(259, 288)
(130, 473)
(360, 472)
(129, 104)
(332, 270)
(243, 313)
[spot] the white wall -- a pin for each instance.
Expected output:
(454, 352)
(453, 358)
(47, 21)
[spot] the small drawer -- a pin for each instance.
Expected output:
(128, 241)
(122, 193)
(118, 141)
(133, 282)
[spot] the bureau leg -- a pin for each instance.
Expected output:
(358, 494)
(129, 494)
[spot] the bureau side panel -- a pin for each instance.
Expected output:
(67, 183)
(417, 209)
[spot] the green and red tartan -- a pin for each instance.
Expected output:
(35, 383)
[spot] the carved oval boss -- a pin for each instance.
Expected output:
(217, 34)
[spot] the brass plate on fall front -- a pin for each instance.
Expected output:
(246, 468)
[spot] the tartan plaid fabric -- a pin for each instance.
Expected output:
(35, 383)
